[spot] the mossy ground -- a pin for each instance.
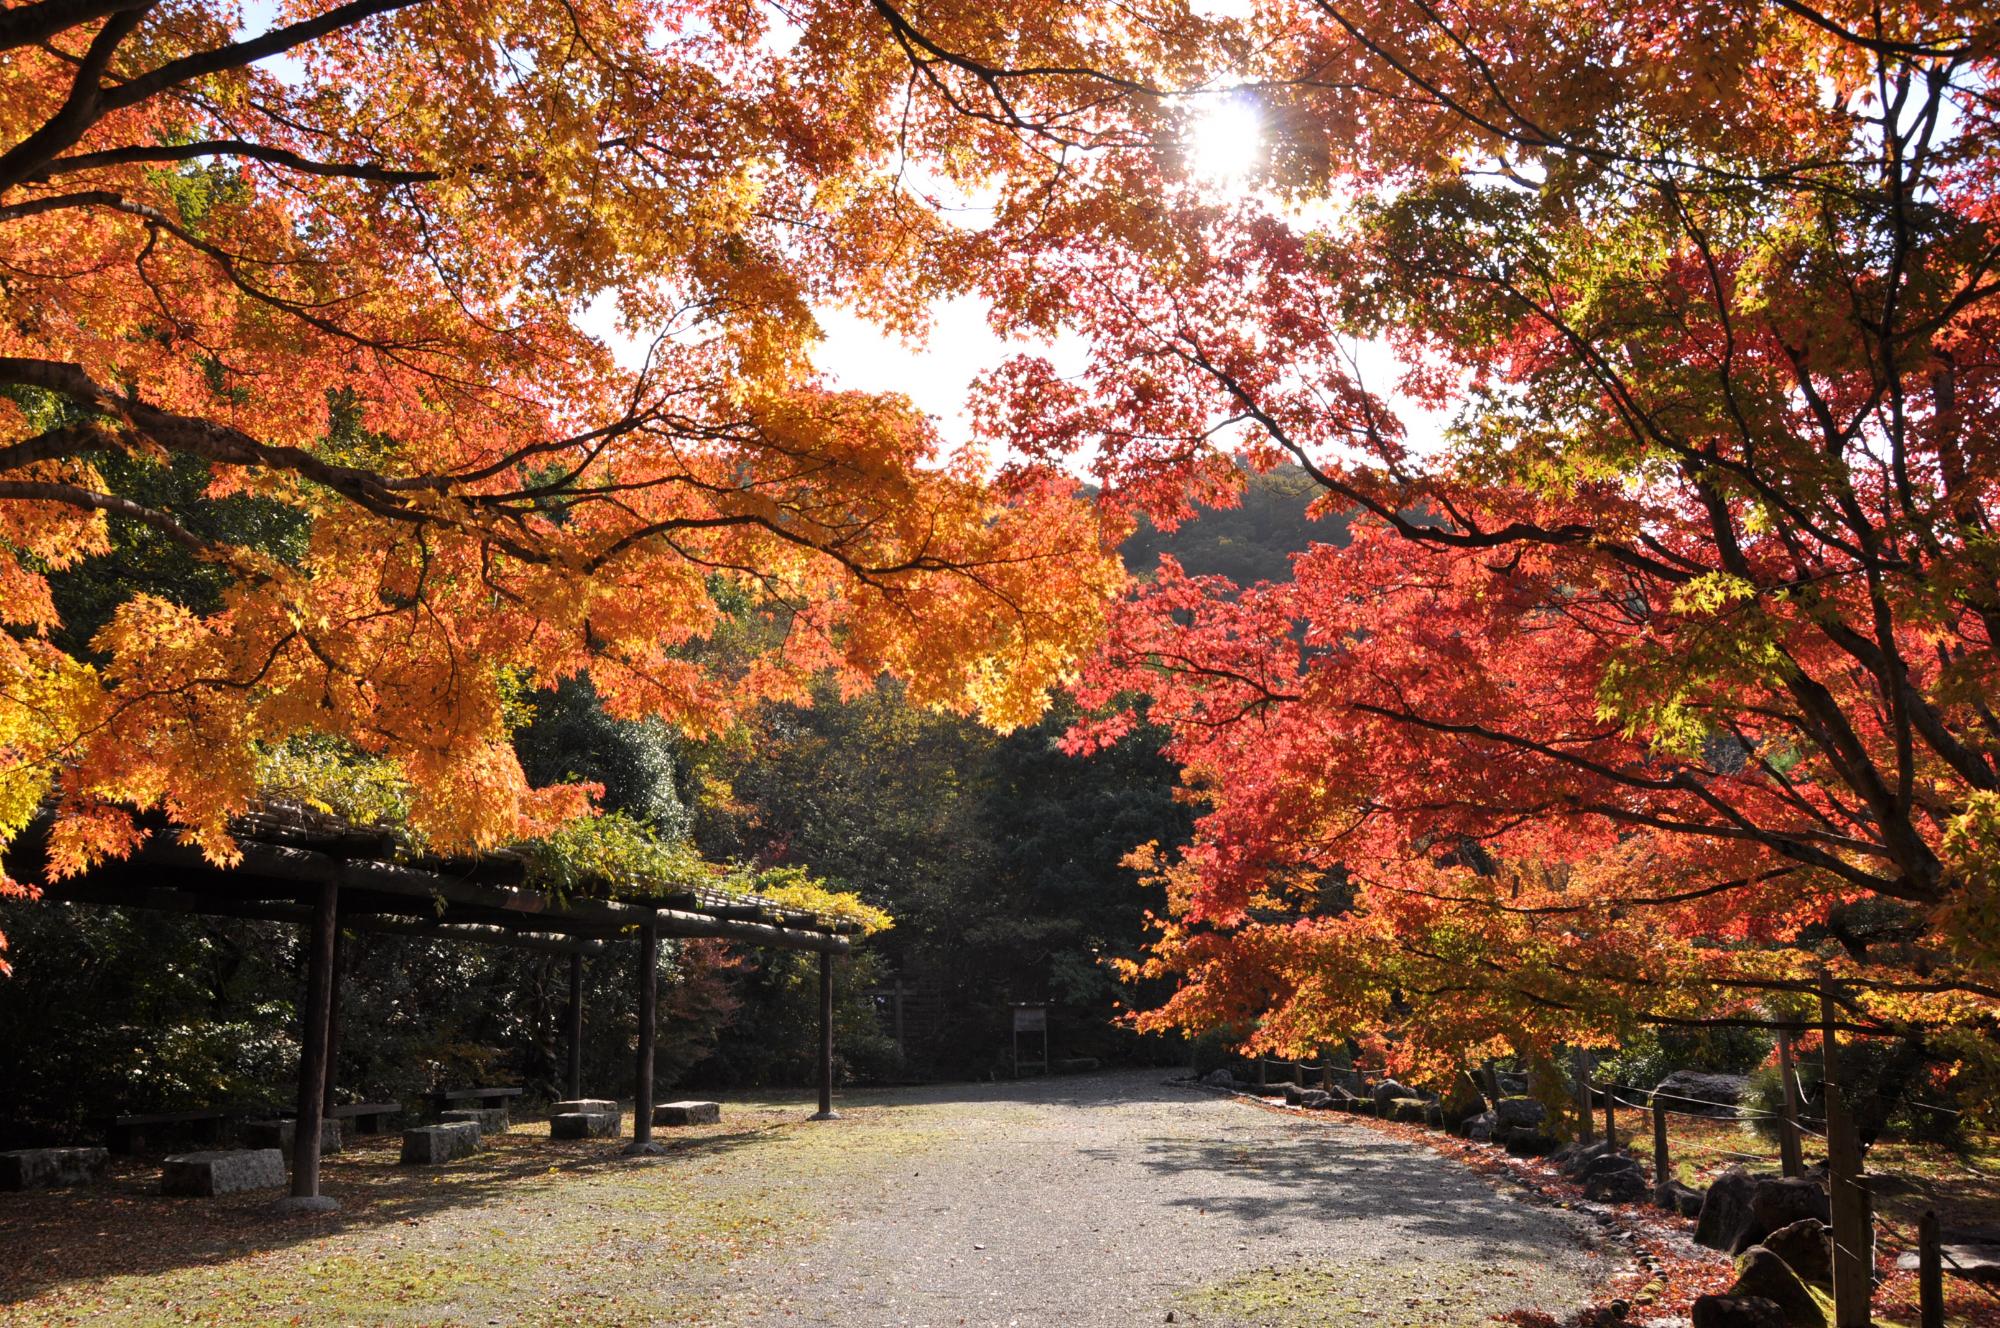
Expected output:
(1435, 1294)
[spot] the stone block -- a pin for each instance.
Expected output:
(582, 1104)
(223, 1171)
(687, 1113)
(48, 1168)
(490, 1120)
(584, 1125)
(432, 1145)
(279, 1134)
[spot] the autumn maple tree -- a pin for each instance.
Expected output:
(361, 264)
(1666, 674)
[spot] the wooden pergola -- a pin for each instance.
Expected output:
(331, 876)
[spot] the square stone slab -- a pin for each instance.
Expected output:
(687, 1113)
(584, 1125)
(47, 1168)
(431, 1145)
(223, 1171)
(490, 1120)
(582, 1104)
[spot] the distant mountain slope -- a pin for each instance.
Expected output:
(1247, 544)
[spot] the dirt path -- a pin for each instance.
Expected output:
(1110, 1199)
(1116, 1199)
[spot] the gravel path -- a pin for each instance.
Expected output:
(1119, 1199)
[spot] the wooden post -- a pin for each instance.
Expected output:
(312, 1052)
(1326, 1074)
(333, 1016)
(1930, 1272)
(1663, 1163)
(1260, 1072)
(1790, 1159)
(826, 1111)
(1299, 1073)
(573, 1072)
(1580, 1060)
(642, 1078)
(1853, 1237)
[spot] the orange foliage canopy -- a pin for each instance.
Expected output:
(348, 260)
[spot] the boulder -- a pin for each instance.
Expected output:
(1703, 1094)
(1316, 1099)
(432, 1145)
(1513, 1085)
(490, 1120)
(1388, 1091)
(1576, 1160)
(584, 1125)
(1481, 1127)
(1461, 1103)
(1525, 1142)
(1973, 1262)
(280, 1134)
(1737, 1312)
(1294, 1094)
(1762, 1275)
(50, 1168)
(1615, 1179)
(222, 1171)
(1779, 1203)
(1520, 1113)
(1807, 1246)
(1219, 1079)
(1724, 1209)
(1413, 1111)
(1678, 1198)
(687, 1113)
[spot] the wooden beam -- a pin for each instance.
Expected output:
(642, 1077)
(826, 1111)
(312, 1051)
(574, 1079)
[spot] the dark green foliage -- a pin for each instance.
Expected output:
(117, 1011)
(1885, 1078)
(999, 857)
(144, 560)
(1650, 1055)
(571, 739)
(773, 1041)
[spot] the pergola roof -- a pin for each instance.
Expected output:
(290, 851)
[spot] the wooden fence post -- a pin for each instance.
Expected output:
(1663, 1164)
(1853, 1238)
(1262, 1071)
(1790, 1159)
(1930, 1273)
(1580, 1060)
(1326, 1074)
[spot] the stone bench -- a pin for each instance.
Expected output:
(281, 1134)
(687, 1113)
(582, 1104)
(490, 1120)
(432, 1145)
(368, 1117)
(223, 1171)
(48, 1168)
(584, 1125)
(447, 1098)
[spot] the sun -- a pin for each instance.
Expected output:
(1224, 138)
